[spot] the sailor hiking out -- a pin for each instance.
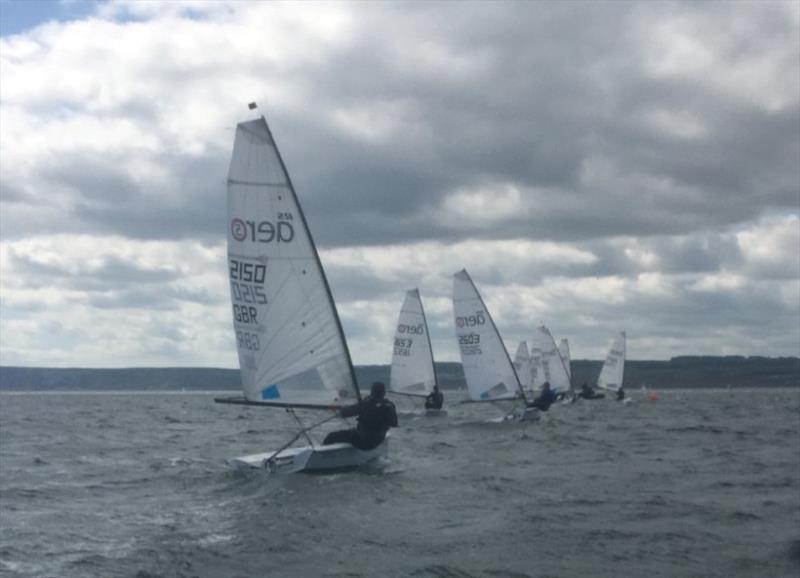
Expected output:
(588, 393)
(435, 399)
(545, 399)
(375, 415)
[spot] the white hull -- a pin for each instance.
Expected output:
(311, 459)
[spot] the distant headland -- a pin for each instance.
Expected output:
(678, 372)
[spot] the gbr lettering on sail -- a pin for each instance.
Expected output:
(248, 274)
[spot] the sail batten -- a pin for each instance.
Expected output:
(289, 337)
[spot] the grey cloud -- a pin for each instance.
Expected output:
(524, 94)
(113, 272)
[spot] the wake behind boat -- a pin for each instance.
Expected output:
(292, 350)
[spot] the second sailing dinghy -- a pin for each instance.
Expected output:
(613, 370)
(292, 351)
(488, 370)
(413, 372)
(522, 363)
(553, 366)
(563, 350)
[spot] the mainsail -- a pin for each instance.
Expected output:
(614, 365)
(522, 363)
(488, 369)
(290, 340)
(412, 370)
(553, 367)
(537, 371)
(563, 350)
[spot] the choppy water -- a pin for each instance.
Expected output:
(701, 483)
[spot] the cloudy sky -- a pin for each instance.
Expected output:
(595, 166)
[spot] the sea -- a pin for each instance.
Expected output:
(697, 483)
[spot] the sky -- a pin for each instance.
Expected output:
(594, 166)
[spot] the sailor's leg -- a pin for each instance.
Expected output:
(344, 436)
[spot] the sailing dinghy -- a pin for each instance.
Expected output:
(613, 370)
(563, 350)
(413, 372)
(488, 370)
(522, 363)
(292, 351)
(553, 366)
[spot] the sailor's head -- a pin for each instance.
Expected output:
(435, 388)
(378, 390)
(585, 385)
(546, 385)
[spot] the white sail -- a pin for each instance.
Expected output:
(290, 341)
(552, 365)
(522, 363)
(614, 366)
(412, 368)
(537, 371)
(487, 366)
(563, 349)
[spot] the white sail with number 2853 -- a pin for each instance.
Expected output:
(412, 370)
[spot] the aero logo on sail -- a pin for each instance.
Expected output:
(412, 329)
(281, 231)
(471, 320)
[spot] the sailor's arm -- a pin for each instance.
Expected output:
(349, 410)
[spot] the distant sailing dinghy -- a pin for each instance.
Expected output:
(292, 351)
(554, 370)
(413, 372)
(490, 375)
(563, 350)
(613, 370)
(522, 364)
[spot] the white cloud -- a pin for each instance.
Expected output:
(619, 181)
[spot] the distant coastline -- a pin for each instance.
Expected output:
(678, 372)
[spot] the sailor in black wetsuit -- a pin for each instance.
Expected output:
(376, 415)
(435, 399)
(545, 399)
(588, 393)
(620, 394)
